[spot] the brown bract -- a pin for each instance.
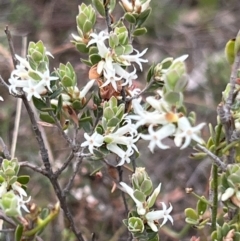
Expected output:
(108, 91)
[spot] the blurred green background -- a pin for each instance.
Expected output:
(199, 28)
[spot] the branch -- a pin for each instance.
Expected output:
(33, 167)
(70, 183)
(2, 82)
(120, 172)
(10, 42)
(4, 149)
(224, 110)
(58, 124)
(64, 165)
(6, 219)
(108, 18)
(215, 159)
(44, 154)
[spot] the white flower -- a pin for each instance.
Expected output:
(1, 98)
(135, 58)
(111, 78)
(23, 62)
(159, 214)
(140, 208)
(142, 116)
(124, 155)
(99, 40)
(34, 89)
(159, 105)
(22, 204)
(85, 90)
(129, 77)
(156, 137)
(126, 135)
(17, 188)
(185, 130)
(96, 140)
(16, 83)
(46, 78)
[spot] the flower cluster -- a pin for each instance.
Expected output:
(144, 199)
(32, 75)
(12, 194)
(169, 123)
(113, 63)
(117, 139)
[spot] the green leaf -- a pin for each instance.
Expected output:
(95, 58)
(77, 105)
(93, 50)
(87, 26)
(67, 81)
(150, 73)
(139, 196)
(174, 98)
(191, 213)
(18, 233)
(24, 179)
(85, 122)
(139, 31)
(191, 221)
(81, 47)
(201, 207)
(108, 113)
(38, 103)
(128, 49)
(130, 18)
(99, 6)
(113, 122)
(230, 51)
(47, 118)
(146, 187)
(56, 93)
(44, 213)
(112, 5)
(87, 62)
(59, 105)
(119, 50)
(34, 75)
(143, 17)
(37, 56)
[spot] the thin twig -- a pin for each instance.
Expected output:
(44, 136)
(58, 124)
(5, 149)
(70, 182)
(108, 18)
(16, 126)
(33, 167)
(224, 110)
(64, 165)
(2, 82)
(120, 172)
(215, 158)
(8, 230)
(18, 108)
(6, 219)
(10, 42)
